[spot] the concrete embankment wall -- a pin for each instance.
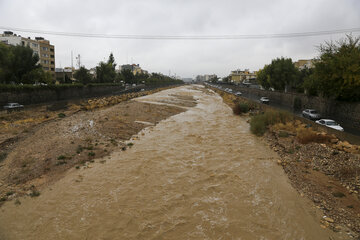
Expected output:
(44, 95)
(348, 113)
(38, 95)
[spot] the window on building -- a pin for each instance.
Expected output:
(52, 69)
(45, 61)
(46, 68)
(52, 56)
(52, 62)
(51, 49)
(34, 44)
(44, 48)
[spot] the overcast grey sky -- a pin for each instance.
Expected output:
(186, 58)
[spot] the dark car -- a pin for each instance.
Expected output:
(311, 114)
(13, 107)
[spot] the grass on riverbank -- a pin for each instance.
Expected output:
(259, 123)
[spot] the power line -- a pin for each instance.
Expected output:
(187, 37)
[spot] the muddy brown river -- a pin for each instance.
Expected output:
(200, 174)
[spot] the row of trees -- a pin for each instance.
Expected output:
(18, 64)
(106, 73)
(335, 75)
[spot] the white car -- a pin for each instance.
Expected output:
(311, 114)
(13, 107)
(238, 93)
(330, 123)
(264, 100)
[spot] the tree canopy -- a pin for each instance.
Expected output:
(105, 72)
(83, 75)
(19, 64)
(337, 70)
(281, 74)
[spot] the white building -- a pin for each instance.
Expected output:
(12, 39)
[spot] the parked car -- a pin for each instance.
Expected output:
(264, 100)
(13, 107)
(330, 123)
(229, 90)
(311, 114)
(238, 93)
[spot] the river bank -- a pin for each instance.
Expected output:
(326, 172)
(38, 145)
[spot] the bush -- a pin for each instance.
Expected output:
(3, 156)
(240, 108)
(61, 157)
(307, 135)
(61, 115)
(260, 122)
(257, 125)
(34, 193)
(283, 134)
(338, 194)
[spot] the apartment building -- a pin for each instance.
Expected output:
(242, 76)
(206, 77)
(134, 68)
(304, 63)
(47, 55)
(64, 74)
(40, 46)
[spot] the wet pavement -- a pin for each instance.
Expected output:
(200, 174)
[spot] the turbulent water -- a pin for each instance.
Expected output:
(197, 175)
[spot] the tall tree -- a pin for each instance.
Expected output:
(128, 76)
(105, 72)
(16, 63)
(281, 74)
(337, 70)
(83, 75)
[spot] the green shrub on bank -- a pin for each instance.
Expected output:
(240, 108)
(259, 123)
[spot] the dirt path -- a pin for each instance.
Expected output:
(197, 175)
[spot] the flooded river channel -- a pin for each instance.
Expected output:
(200, 174)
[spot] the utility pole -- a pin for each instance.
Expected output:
(72, 65)
(78, 61)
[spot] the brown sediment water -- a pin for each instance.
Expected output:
(197, 175)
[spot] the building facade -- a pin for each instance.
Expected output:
(206, 77)
(243, 76)
(304, 63)
(40, 46)
(134, 68)
(64, 75)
